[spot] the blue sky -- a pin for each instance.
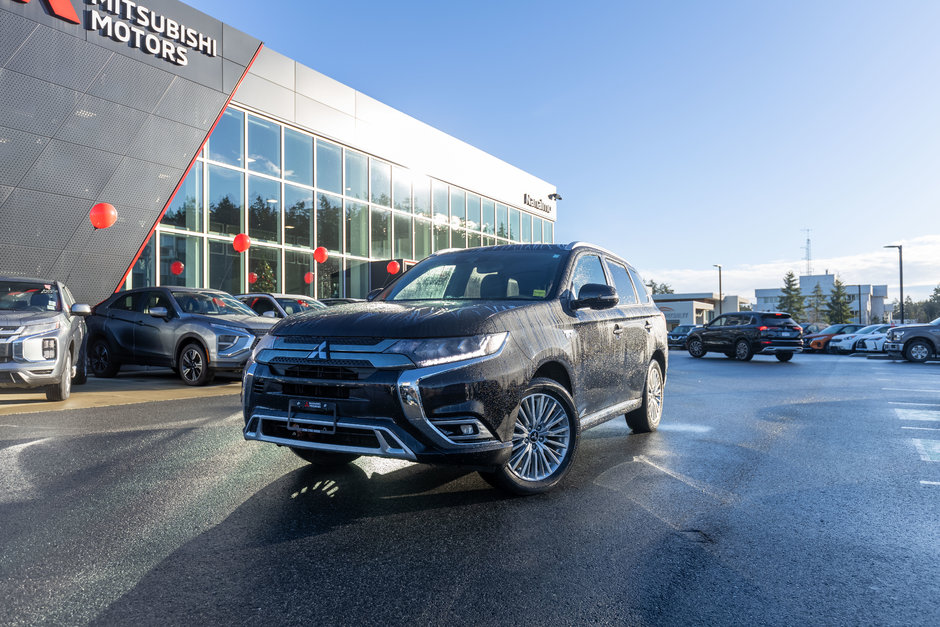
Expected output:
(680, 134)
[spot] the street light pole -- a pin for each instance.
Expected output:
(720, 295)
(901, 272)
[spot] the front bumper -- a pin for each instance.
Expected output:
(895, 348)
(19, 372)
(357, 402)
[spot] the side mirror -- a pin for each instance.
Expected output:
(270, 313)
(159, 312)
(81, 310)
(596, 296)
(371, 295)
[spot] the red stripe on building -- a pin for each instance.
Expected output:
(62, 9)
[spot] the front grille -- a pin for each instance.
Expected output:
(316, 372)
(343, 341)
(344, 436)
(306, 390)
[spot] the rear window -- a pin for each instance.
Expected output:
(777, 319)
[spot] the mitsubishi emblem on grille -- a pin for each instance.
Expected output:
(322, 352)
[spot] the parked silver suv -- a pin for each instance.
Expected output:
(42, 337)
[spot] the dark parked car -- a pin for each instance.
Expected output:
(494, 358)
(197, 332)
(279, 305)
(42, 335)
(915, 342)
(678, 335)
(742, 335)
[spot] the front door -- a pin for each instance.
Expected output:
(154, 338)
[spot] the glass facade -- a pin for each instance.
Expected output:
(291, 192)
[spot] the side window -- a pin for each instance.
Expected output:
(127, 302)
(67, 298)
(622, 283)
(720, 321)
(262, 305)
(155, 299)
(641, 290)
(587, 269)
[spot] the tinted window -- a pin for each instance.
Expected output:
(298, 225)
(622, 283)
(641, 291)
(778, 319)
(125, 302)
(185, 210)
(297, 305)
(329, 167)
(264, 209)
(587, 270)
(155, 299)
(226, 199)
(211, 303)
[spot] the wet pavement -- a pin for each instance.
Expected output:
(797, 493)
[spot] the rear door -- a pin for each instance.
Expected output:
(632, 329)
(121, 321)
(713, 333)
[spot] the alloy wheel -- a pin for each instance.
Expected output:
(654, 396)
(100, 357)
(540, 438)
(191, 364)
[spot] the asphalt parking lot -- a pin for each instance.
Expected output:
(774, 493)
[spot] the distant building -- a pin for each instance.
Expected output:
(870, 297)
(695, 308)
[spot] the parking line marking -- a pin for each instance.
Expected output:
(929, 450)
(923, 415)
(923, 428)
(911, 403)
(716, 493)
(910, 390)
(930, 483)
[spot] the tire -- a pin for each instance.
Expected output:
(918, 351)
(730, 355)
(101, 358)
(646, 418)
(61, 390)
(830, 349)
(697, 347)
(544, 441)
(193, 365)
(81, 368)
(743, 350)
(324, 459)
(783, 356)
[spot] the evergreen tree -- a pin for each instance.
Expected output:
(932, 305)
(792, 300)
(659, 288)
(817, 304)
(838, 309)
(266, 281)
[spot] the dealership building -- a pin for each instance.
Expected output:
(196, 132)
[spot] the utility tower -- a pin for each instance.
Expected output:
(808, 250)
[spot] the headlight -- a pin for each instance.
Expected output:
(34, 329)
(227, 337)
(445, 350)
(266, 341)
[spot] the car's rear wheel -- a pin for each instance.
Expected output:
(324, 459)
(101, 359)
(917, 351)
(61, 390)
(646, 418)
(544, 441)
(697, 347)
(743, 350)
(784, 356)
(193, 365)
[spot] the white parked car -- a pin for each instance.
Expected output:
(851, 342)
(873, 343)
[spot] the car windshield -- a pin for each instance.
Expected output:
(832, 330)
(29, 296)
(682, 328)
(299, 303)
(935, 322)
(872, 328)
(211, 304)
(482, 274)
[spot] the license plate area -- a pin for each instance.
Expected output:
(300, 413)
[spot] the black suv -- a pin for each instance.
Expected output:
(197, 332)
(494, 358)
(743, 334)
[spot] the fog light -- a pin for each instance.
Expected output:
(48, 348)
(468, 429)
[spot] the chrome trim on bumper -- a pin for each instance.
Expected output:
(780, 349)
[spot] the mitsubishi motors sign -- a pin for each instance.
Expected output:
(136, 25)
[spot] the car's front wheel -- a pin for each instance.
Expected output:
(544, 440)
(193, 366)
(101, 358)
(917, 351)
(645, 419)
(60, 391)
(697, 347)
(81, 368)
(784, 356)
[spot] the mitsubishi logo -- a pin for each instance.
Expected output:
(322, 352)
(62, 9)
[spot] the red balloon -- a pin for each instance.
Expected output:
(393, 267)
(308, 278)
(102, 215)
(176, 268)
(252, 277)
(320, 254)
(241, 243)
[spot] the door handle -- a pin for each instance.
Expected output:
(649, 326)
(618, 330)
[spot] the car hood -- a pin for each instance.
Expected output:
(19, 318)
(255, 323)
(382, 319)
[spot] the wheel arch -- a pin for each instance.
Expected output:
(190, 338)
(556, 371)
(923, 338)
